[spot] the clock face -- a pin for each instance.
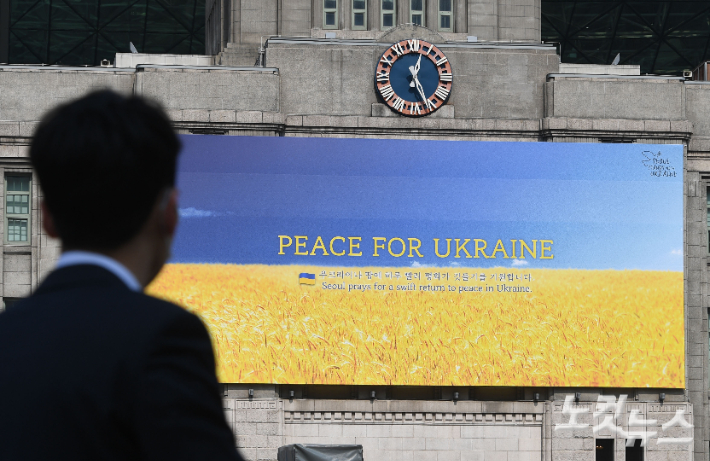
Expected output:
(414, 78)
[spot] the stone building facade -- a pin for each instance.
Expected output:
(508, 87)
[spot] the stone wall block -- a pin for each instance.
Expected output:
(11, 151)
(606, 125)
(390, 444)
(406, 431)
(304, 430)
(241, 428)
(9, 128)
(38, 91)
(222, 116)
(299, 405)
(267, 428)
(697, 100)
(294, 120)
(682, 126)
(606, 97)
(16, 290)
(252, 441)
(249, 117)
(16, 278)
(317, 120)
(498, 407)
(657, 125)
(265, 454)
(17, 263)
(174, 114)
(218, 89)
(631, 125)
(195, 115)
(249, 454)
(272, 117)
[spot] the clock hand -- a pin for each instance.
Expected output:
(420, 89)
(414, 76)
(414, 71)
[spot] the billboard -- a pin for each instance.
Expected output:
(400, 262)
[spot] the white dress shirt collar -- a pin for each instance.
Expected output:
(74, 258)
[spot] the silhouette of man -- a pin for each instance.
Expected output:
(92, 368)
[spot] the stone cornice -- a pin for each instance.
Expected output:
(230, 122)
(617, 130)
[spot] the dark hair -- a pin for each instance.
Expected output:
(102, 161)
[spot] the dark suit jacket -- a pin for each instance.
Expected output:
(90, 370)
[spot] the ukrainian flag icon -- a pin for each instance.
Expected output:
(305, 278)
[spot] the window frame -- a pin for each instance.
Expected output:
(421, 12)
(383, 12)
(331, 10)
(441, 14)
(354, 11)
(27, 216)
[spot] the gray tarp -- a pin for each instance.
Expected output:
(312, 452)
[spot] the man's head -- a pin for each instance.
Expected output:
(106, 164)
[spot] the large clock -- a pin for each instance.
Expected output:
(414, 78)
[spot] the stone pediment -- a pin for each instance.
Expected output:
(409, 31)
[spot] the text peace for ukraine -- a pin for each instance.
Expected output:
(397, 247)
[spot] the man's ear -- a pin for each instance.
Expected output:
(169, 212)
(48, 221)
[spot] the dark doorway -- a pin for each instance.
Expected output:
(605, 449)
(634, 453)
(9, 303)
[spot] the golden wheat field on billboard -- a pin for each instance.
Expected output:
(383, 262)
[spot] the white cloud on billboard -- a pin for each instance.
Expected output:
(418, 264)
(192, 212)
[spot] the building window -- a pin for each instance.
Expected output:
(9, 303)
(330, 14)
(387, 14)
(17, 209)
(359, 15)
(605, 450)
(634, 453)
(416, 12)
(445, 16)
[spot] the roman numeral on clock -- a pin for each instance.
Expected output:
(398, 49)
(446, 78)
(430, 104)
(398, 104)
(387, 92)
(383, 76)
(415, 109)
(441, 61)
(413, 44)
(442, 93)
(385, 60)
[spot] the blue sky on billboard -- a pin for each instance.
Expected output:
(605, 206)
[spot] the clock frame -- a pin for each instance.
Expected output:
(423, 106)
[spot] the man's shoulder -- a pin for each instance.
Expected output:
(146, 306)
